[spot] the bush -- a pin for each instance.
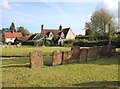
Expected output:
(69, 43)
(116, 43)
(47, 42)
(102, 42)
(86, 37)
(32, 42)
(84, 44)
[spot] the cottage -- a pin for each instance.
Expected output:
(10, 36)
(62, 34)
(1, 39)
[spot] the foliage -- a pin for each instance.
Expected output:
(101, 23)
(5, 30)
(31, 42)
(54, 40)
(86, 37)
(47, 42)
(12, 27)
(83, 43)
(68, 43)
(23, 30)
(88, 29)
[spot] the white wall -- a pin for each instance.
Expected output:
(70, 35)
(10, 40)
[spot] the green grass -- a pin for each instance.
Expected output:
(24, 50)
(99, 73)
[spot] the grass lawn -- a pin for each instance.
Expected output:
(16, 73)
(24, 50)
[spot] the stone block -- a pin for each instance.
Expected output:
(83, 54)
(93, 53)
(36, 59)
(57, 57)
(67, 57)
(75, 53)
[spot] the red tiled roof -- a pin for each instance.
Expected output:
(12, 35)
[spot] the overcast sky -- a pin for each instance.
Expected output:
(32, 13)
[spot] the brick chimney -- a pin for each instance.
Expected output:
(42, 27)
(60, 27)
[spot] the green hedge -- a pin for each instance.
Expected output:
(68, 43)
(32, 42)
(96, 43)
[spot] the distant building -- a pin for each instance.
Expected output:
(10, 36)
(1, 40)
(61, 33)
(22, 39)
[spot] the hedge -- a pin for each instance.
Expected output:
(99, 43)
(32, 42)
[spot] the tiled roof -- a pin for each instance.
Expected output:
(55, 32)
(12, 34)
(32, 37)
(35, 36)
(65, 31)
(22, 38)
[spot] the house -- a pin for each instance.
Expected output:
(62, 34)
(37, 38)
(22, 39)
(1, 39)
(10, 36)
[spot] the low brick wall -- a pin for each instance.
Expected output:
(76, 54)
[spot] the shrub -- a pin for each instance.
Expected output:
(31, 42)
(80, 43)
(116, 43)
(84, 44)
(86, 37)
(47, 42)
(69, 43)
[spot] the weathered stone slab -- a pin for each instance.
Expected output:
(75, 53)
(90, 55)
(36, 59)
(66, 57)
(97, 50)
(111, 50)
(104, 50)
(57, 57)
(93, 53)
(83, 54)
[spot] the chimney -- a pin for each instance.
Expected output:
(42, 27)
(60, 27)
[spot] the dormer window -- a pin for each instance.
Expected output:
(50, 34)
